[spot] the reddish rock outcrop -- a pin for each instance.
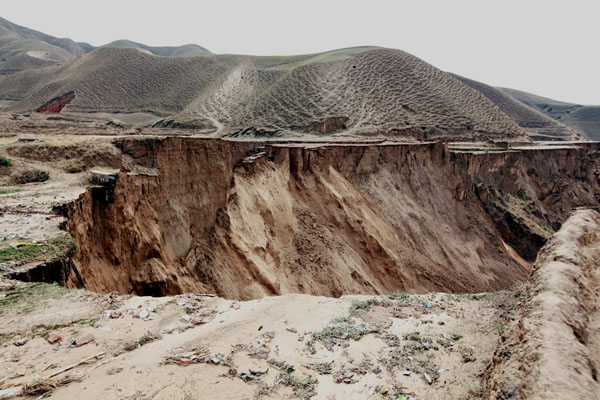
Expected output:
(57, 104)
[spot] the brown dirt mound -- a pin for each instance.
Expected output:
(551, 349)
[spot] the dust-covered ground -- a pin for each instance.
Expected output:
(196, 346)
(531, 340)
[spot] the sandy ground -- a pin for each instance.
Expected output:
(293, 346)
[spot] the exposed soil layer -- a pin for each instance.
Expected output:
(244, 220)
(57, 104)
(551, 350)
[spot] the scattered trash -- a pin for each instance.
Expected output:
(53, 338)
(427, 378)
(143, 313)
(259, 373)
(82, 340)
(11, 393)
(245, 377)
(111, 314)
(406, 373)
(218, 359)
(345, 377)
(20, 341)
(195, 356)
(186, 318)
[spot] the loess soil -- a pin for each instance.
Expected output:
(353, 269)
(244, 219)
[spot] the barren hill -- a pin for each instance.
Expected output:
(22, 48)
(537, 124)
(585, 119)
(359, 90)
(165, 51)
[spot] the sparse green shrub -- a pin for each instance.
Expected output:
(361, 305)
(4, 162)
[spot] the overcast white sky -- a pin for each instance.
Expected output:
(550, 48)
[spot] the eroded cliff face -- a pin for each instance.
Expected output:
(550, 347)
(245, 219)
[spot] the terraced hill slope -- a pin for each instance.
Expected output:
(362, 90)
(537, 124)
(583, 118)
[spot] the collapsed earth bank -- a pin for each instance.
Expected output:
(248, 219)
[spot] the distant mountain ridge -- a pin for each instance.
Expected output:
(22, 48)
(74, 48)
(186, 50)
(537, 124)
(586, 119)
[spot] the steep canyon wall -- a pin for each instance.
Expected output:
(249, 219)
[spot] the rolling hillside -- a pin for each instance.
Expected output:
(585, 119)
(537, 124)
(187, 50)
(22, 48)
(359, 90)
